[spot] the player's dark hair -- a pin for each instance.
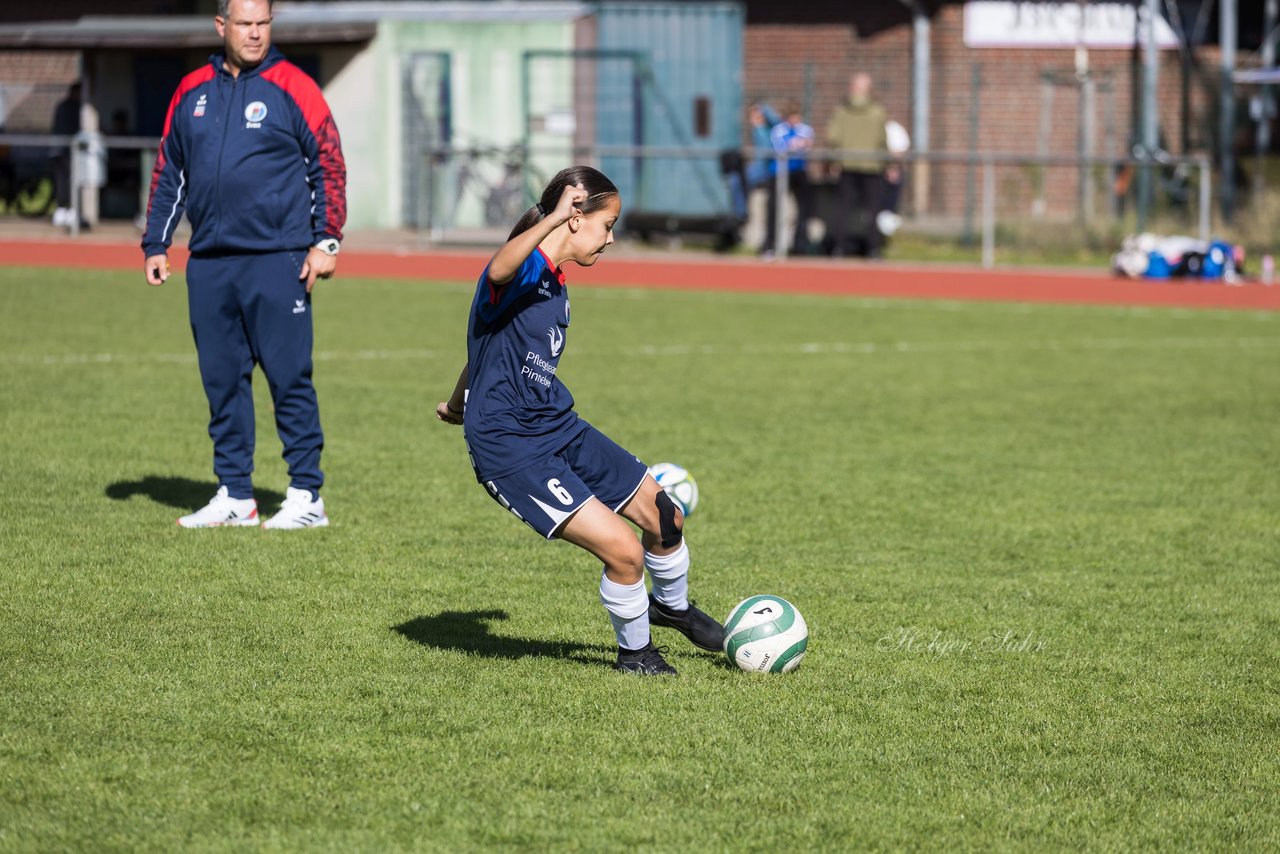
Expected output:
(599, 190)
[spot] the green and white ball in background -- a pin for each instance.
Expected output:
(765, 634)
(677, 483)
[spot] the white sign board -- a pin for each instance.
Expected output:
(1068, 24)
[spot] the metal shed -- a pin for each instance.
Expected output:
(688, 58)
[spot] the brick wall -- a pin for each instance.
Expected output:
(31, 84)
(67, 10)
(34, 81)
(811, 63)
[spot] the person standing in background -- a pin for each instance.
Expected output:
(250, 151)
(793, 137)
(858, 128)
(762, 118)
(888, 220)
(66, 122)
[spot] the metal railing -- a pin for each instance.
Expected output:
(1087, 168)
(477, 192)
(88, 153)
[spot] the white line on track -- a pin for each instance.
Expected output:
(856, 303)
(190, 358)
(869, 347)
(809, 348)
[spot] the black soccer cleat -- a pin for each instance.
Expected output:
(705, 632)
(647, 661)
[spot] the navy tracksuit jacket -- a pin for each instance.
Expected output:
(256, 163)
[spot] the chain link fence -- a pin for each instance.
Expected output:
(1005, 207)
(1006, 204)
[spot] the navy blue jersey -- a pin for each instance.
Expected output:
(518, 412)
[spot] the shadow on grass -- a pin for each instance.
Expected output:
(180, 492)
(468, 631)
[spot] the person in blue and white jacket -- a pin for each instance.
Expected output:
(792, 137)
(251, 153)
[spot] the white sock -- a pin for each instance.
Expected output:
(628, 608)
(670, 576)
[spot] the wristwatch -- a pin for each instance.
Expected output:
(329, 246)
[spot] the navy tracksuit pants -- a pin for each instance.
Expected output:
(251, 310)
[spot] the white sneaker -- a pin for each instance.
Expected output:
(62, 217)
(298, 511)
(223, 510)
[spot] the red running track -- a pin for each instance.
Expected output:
(802, 276)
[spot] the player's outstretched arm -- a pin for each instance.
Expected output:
(506, 261)
(450, 411)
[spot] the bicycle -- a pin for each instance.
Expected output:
(501, 201)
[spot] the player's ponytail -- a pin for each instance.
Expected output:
(599, 190)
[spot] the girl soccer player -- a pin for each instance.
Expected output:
(536, 457)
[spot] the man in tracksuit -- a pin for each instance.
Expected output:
(251, 153)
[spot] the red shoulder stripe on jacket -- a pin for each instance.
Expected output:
(196, 78)
(315, 112)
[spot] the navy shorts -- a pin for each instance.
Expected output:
(545, 494)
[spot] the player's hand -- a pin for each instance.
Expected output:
(447, 413)
(571, 199)
(319, 265)
(156, 269)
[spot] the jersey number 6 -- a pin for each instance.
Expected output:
(562, 495)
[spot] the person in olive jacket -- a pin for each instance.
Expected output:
(857, 130)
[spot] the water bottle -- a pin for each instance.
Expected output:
(1268, 269)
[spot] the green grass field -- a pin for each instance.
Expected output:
(1038, 549)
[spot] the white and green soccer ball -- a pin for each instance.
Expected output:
(677, 483)
(765, 634)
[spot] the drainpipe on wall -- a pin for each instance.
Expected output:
(1227, 28)
(1150, 125)
(1265, 102)
(920, 64)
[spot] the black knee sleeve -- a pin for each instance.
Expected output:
(667, 527)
